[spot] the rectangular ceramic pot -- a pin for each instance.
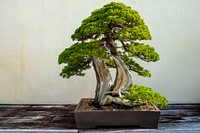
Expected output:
(116, 118)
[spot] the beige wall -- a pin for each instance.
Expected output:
(34, 32)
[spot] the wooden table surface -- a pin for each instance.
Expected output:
(175, 118)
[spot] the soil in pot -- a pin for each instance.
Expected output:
(89, 104)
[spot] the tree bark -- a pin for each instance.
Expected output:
(104, 86)
(123, 81)
(104, 80)
(123, 78)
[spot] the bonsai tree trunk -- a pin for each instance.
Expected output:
(123, 78)
(104, 80)
(104, 88)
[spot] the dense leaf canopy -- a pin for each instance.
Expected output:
(78, 57)
(114, 21)
(125, 23)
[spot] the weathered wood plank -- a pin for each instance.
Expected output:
(38, 131)
(182, 106)
(37, 116)
(180, 112)
(179, 118)
(163, 128)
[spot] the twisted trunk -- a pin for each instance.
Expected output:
(104, 80)
(104, 85)
(104, 90)
(123, 78)
(123, 81)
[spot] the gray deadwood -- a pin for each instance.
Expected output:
(104, 80)
(104, 88)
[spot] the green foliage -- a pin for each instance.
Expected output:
(78, 58)
(134, 66)
(143, 51)
(124, 22)
(102, 32)
(139, 32)
(139, 95)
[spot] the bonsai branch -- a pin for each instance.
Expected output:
(124, 45)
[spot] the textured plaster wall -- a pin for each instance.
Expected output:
(34, 32)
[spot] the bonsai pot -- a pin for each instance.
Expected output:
(86, 119)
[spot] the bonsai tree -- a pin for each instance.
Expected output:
(111, 38)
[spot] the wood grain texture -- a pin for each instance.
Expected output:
(175, 118)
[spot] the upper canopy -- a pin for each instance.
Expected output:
(124, 23)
